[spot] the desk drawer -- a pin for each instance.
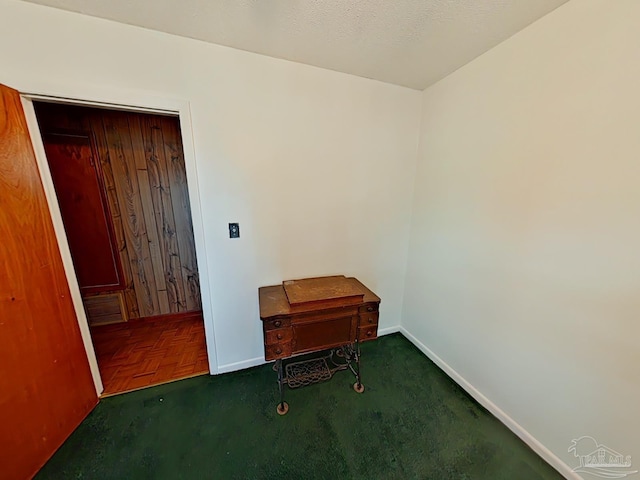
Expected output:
(278, 335)
(278, 350)
(368, 307)
(314, 336)
(368, 319)
(367, 333)
(277, 323)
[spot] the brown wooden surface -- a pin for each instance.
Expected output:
(105, 308)
(319, 324)
(323, 334)
(46, 388)
(273, 301)
(84, 212)
(180, 204)
(143, 173)
(162, 200)
(150, 351)
(336, 290)
(120, 152)
(94, 125)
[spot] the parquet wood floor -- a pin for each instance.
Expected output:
(145, 352)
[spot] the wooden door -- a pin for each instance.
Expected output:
(46, 388)
(84, 211)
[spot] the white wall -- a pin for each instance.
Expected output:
(316, 166)
(524, 264)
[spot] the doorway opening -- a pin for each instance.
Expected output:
(120, 181)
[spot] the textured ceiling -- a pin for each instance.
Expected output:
(407, 42)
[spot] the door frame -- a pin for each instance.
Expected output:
(133, 102)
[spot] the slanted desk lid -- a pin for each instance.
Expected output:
(337, 290)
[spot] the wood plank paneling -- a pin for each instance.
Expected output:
(181, 209)
(154, 243)
(116, 127)
(163, 201)
(143, 173)
(95, 126)
(138, 151)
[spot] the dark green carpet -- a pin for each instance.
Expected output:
(411, 422)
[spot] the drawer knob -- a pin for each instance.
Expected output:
(369, 308)
(278, 351)
(279, 336)
(370, 320)
(369, 333)
(277, 323)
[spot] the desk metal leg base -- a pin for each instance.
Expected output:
(283, 407)
(318, 369)
(353, 355)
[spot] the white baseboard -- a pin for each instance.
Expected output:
(388, 330)
(232, 367)
(516, 428)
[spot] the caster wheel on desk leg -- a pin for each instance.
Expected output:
(282, 408)
(358, 388)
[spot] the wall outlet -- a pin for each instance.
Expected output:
(234, 230)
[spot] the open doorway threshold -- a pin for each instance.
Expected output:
(150, 351)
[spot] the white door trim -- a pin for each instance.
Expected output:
(129, 102)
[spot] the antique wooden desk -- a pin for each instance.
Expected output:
(325, 314)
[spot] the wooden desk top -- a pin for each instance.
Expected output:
(313, 294)
(338, 289)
